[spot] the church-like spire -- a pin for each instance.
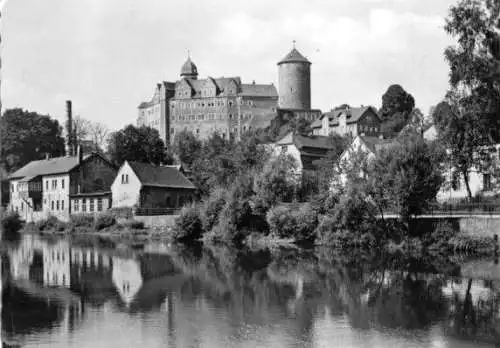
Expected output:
(189, 69)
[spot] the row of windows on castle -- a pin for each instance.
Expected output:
(197, 104)
(209, 116)
(212, 103)
(231, 134)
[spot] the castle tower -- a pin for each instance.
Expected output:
(294, 81)
(189, 70)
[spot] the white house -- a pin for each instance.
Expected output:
(127, 278)
(367, 146)
(481, 182)
(57, 186)
(348, 121)
(148, 186)
(305, 150)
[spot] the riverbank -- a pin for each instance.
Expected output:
(439, 238)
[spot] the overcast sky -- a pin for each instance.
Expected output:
(107, 55)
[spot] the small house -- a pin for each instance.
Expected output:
(62, 186)
(148, 186)
(304, 149)
(348, 121)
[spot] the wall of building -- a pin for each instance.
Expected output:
(56, 189)
(90, 205)
(202, 116)
(163, 197)
(294, 85)
(94, 175)
(126, 193)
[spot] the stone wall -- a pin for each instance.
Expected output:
(480, 226)
(160, 221)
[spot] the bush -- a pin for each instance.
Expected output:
(188, 226)
(81, 220)
(328, 234)
(439, 238)
(134, 224)
(11, 223)
(281, 221)
(103, 221)
(288, 222)
(212, 207)
(51, 224)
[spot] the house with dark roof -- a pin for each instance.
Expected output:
(144, 185)
(304, 149)
(62, 186)
(348, 121)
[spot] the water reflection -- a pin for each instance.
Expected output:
(60, 294)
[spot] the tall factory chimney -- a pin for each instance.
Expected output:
(69, 129)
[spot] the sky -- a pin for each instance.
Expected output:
(107, 55)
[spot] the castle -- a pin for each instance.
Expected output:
(227, 105)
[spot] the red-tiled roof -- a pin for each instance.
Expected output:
(160, 176)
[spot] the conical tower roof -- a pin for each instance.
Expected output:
(294, 56)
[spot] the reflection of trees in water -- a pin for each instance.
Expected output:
(474, 315)
(23, 314)
(372, 291)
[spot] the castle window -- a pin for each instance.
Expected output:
(62, 183)
(76, 205)
(57, 205)
(84, 205)
(53, 205)
(62, 205)
(91, 205)
(230, 116)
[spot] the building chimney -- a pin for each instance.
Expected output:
(79, 153)
(69, 129)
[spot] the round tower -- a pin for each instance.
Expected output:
(294, 81)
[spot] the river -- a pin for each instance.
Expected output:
(56, 293)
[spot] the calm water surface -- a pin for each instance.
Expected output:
(60, 294)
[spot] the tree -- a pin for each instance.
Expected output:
(98, 133)
(28, 136)
(81, 129)
(475, 63)
(468, 120)
(186, 146)
(277, 182)
(141, 144)
(397, 105)
(396, 100)
(406, 177)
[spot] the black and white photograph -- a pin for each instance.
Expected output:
(249, 173)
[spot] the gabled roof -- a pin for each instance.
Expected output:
(303, 142)
(294, 56)
(255, 90)
(51, 166)
(354, 115)
(160, 176)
